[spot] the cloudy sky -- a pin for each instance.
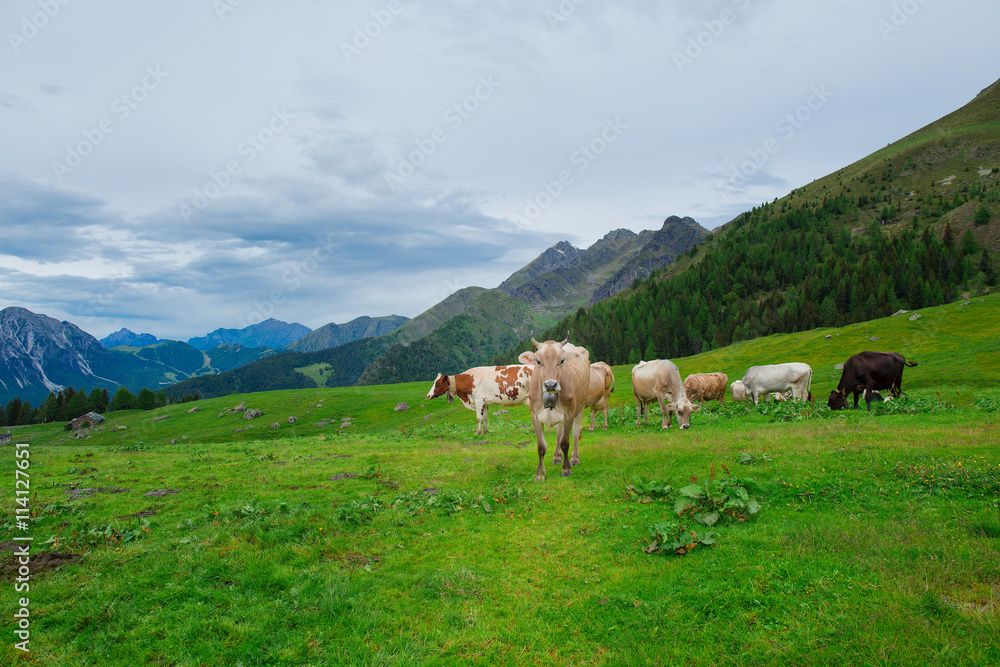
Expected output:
(175, 167)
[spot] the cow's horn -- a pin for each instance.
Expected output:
(536, 343)
(565, 340)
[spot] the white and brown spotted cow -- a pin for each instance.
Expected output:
(602, 383)
(483, 386)
(558, 396)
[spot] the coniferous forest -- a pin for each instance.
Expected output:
(782, 268)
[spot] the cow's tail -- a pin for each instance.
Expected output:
(809, 394)
(910, 363)
(612, 383)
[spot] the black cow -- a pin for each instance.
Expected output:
(866, 372)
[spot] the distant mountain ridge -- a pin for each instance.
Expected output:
(334, 335)
(270, 333)
(125, 337)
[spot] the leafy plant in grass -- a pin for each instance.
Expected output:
(707, 504)
(90, 536)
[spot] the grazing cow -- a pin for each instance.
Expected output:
(654, 381)
(483, 386)
(866, 372)
(702, 387)
(739, 390)
(763, 380)
(602, 383)
(560, 382)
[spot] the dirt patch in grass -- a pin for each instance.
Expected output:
(39, 563)
(83, 493)
(343, 475)
(159, 493)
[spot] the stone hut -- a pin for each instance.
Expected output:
(88, 420)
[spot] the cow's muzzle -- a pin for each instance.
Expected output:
(550, 393)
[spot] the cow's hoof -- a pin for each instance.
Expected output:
(539, 478)
(567, 473)
(575, 463)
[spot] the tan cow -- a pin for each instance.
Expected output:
(702, 387)
(558, 397)
(483, 386)
(654, 381)
(602, 383)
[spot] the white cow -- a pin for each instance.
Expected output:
(483, 386)
(657, 380)
(763, 380)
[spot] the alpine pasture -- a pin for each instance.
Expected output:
(360, 535)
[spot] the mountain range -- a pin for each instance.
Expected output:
(466, 328)
(907, 226)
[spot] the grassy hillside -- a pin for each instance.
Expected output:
(404, 539)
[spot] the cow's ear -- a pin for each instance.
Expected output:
(695, 408)
(672, 407)
(526, 357)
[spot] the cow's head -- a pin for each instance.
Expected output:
(684, 408)
(739, 390)
(441, 386)
(547, 359)
(837, 400)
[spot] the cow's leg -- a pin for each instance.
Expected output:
(593, 416)
(577, 429)
(565, 432)
(638, 412)
(605, 415)
(484, 410)
(869, 389)
(540, 434)
(665, 416)
(557, 456)
(856, 394)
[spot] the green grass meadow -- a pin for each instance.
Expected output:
(400, 538)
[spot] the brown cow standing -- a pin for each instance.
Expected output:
(701, 387)
(866, 372)
(602, 383)
(558, 396)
